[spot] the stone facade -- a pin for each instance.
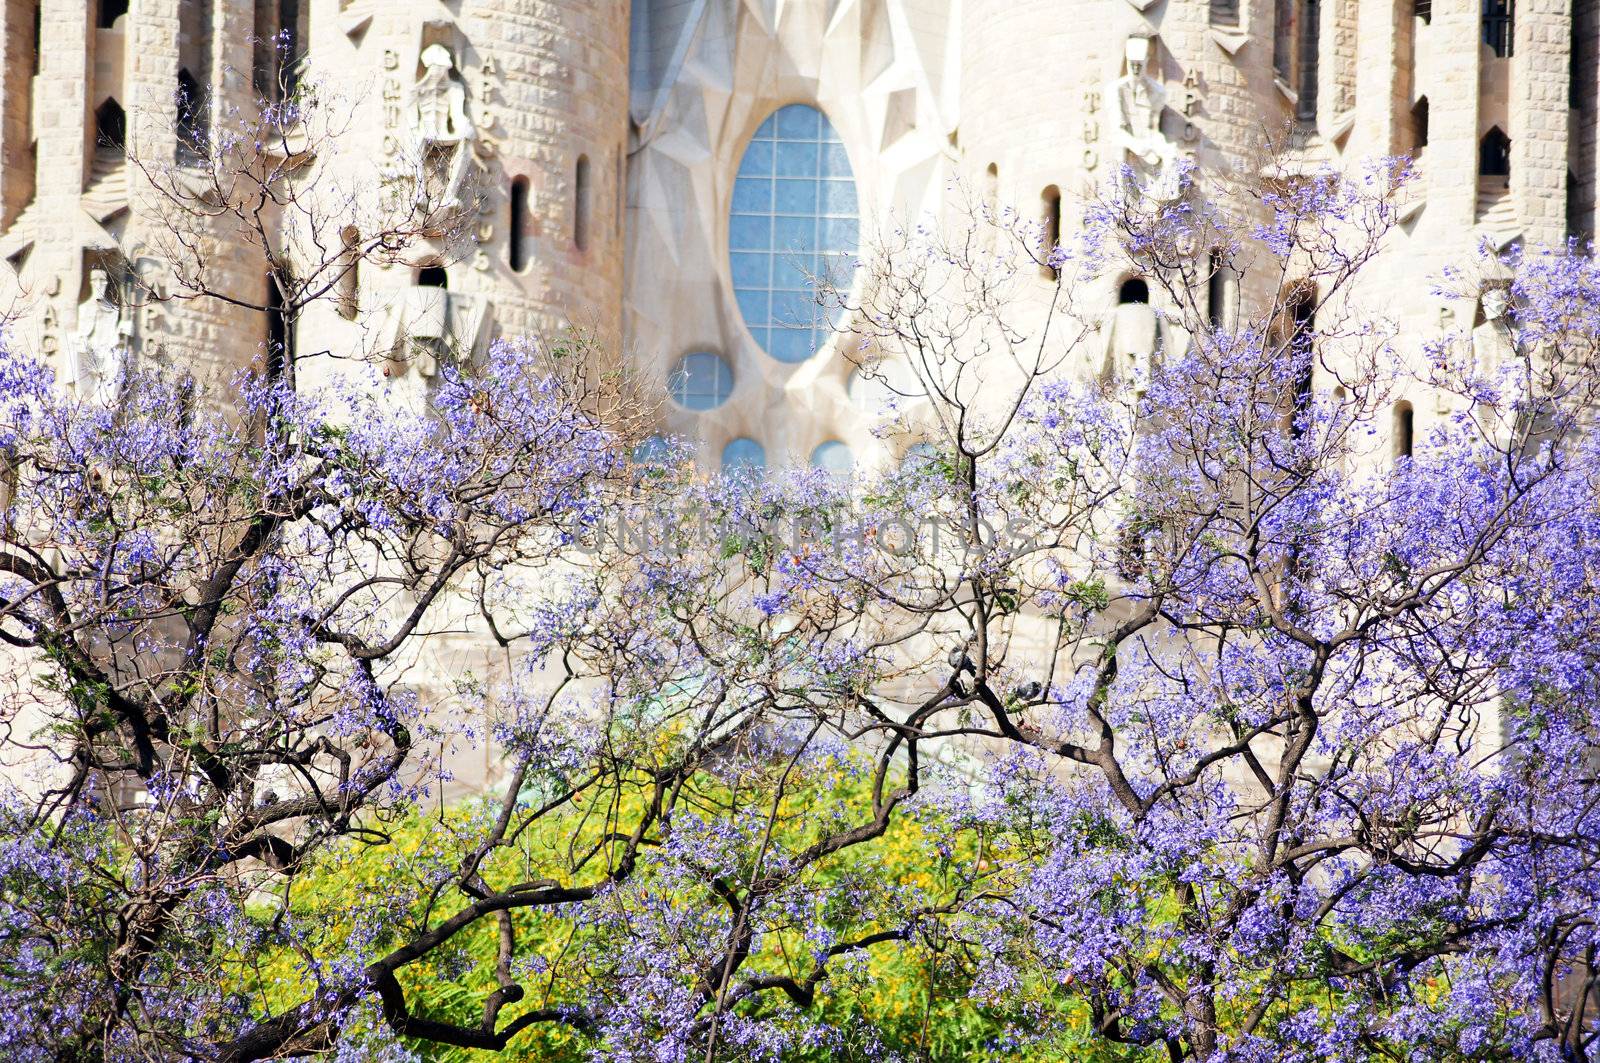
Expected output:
(606, 138)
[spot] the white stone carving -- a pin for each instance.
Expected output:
(1133, 336)
(1133, 107)
(439, 121)
(100, 346)
(1492, 342)
(425, 325)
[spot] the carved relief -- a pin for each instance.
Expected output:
(101, 344)
(1133, 106)
(425, 327)
(1134, 338)
(443, 132)
(1492, 342)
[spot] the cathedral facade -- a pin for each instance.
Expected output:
(672, 175)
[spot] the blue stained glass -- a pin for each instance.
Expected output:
(744, 453)
(833, 456)
(794, 197)
(837, 198)
(702, 381)
(799, 122)
(755, 197)
(751, 270)
(794, 234)
(794, 308)
(797, 159)
(757, 160)
(793, 344)
(783, 230)
(755, 305)
(750, 232)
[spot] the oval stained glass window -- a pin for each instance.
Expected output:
(794, 221)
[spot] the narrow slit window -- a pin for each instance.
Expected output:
(1217, 291)
(1405, 430)
(1050, 226)
(191, 117)
(517, 246)
(111, 128)
(1499, 26)
(1302, 310)
(580, 203)
(109, 12)
(1306, 72)
(350, 279)
(280, 340)
(1419, 125)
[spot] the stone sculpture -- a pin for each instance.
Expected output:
(100, 345)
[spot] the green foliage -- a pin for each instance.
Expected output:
(909, 999)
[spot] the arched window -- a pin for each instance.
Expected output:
(1133, 290)
(433, 277)
(1494, 154)
(1404, 430)
(192, 133)
(793, 220)
(109, 11)
(111, 128)
(1499, 26)
(991, 189)
(743, 454)
(1419, 124)
(580, 203)
(833, 456)
(1050, 228)
(1295, 49)
(1308, 48)
(516, 236)
(350, 279)
(702, 381)
(1422, 9)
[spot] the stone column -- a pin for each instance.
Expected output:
(64, 120)
(1454, 40)
(1539, 111)
(18, 64)
(1383, 77)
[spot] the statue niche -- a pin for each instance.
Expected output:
(1134, 104)
(441, 128)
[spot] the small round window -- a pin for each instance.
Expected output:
(833, 456)
(794, 222)
(702, 381)
(744, 453)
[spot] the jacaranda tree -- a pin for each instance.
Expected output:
(1163, 700)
